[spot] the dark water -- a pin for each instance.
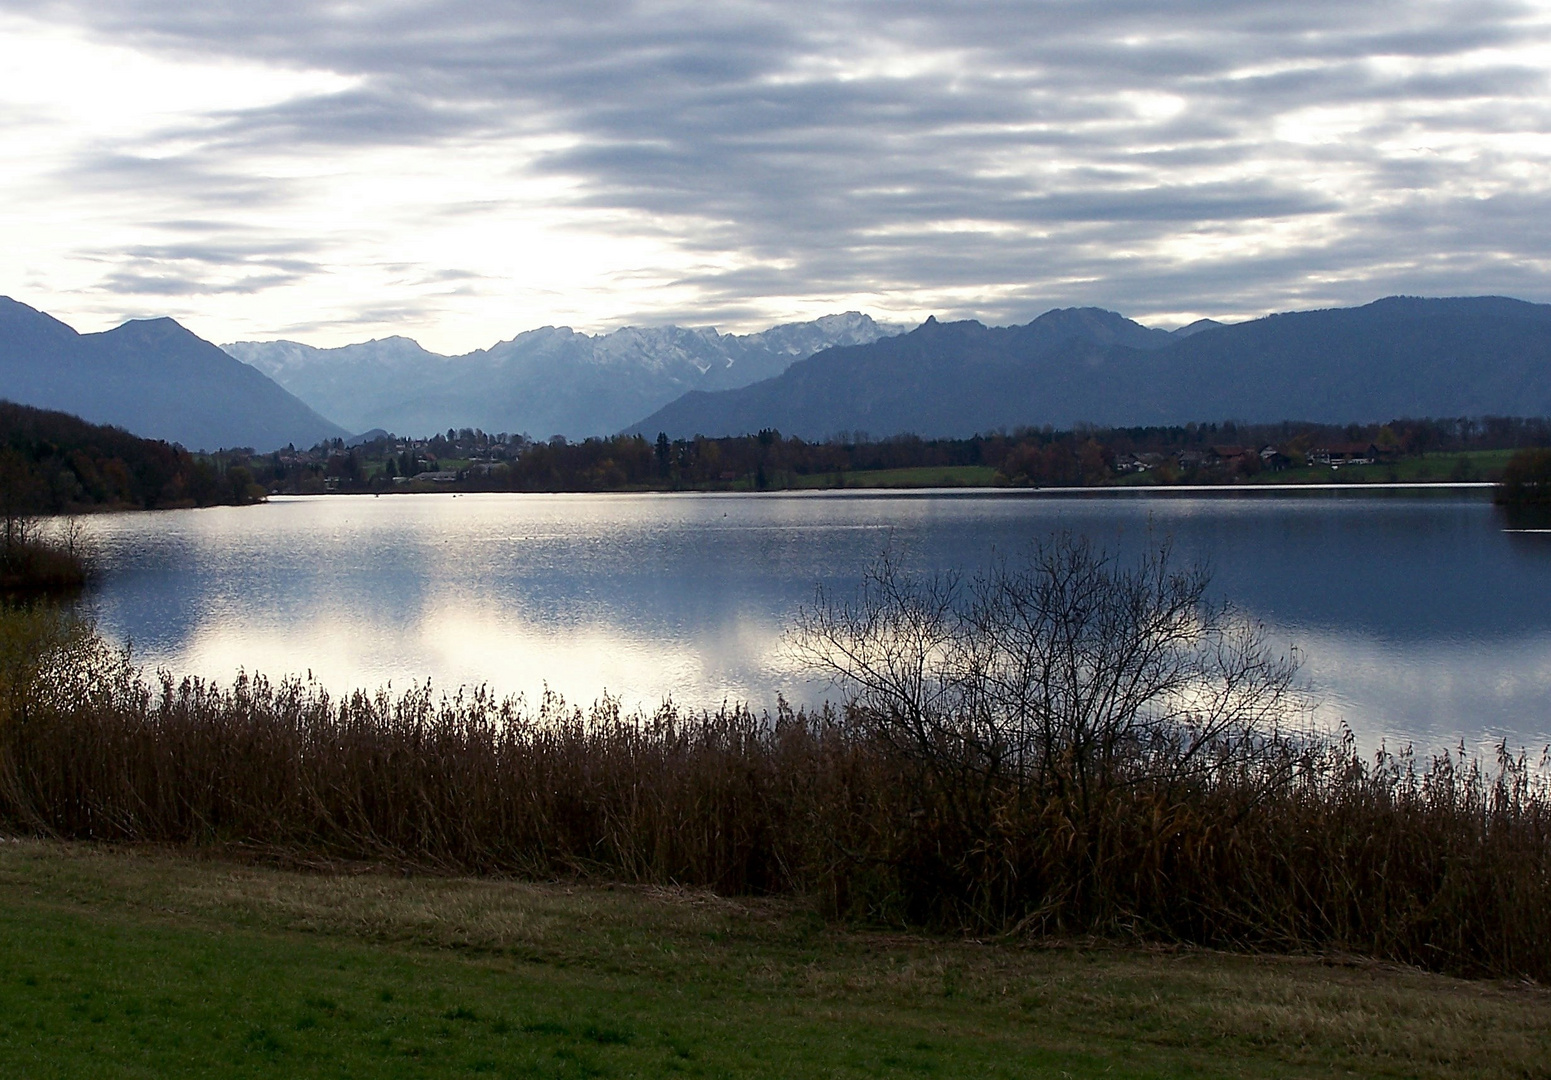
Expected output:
(1418, 617)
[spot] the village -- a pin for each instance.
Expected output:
(1247, 461)
(473, 460)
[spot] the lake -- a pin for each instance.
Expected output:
(1418, 618)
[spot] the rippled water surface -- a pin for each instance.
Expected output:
(1416, 615)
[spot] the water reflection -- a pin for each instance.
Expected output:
(1419, 618)
(472, 643)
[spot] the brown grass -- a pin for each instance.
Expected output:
(1443, 863)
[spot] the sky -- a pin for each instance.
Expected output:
(458, 172)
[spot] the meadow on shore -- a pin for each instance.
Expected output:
(141, 961)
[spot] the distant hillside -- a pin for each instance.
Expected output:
(51, 462)
(1396, 357)
(153, 378)
(550, 381)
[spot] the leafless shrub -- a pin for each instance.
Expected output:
(34, 562)
(1065, 675)
(1096, 746)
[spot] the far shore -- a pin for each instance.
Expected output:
(937, 489)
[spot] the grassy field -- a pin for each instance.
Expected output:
(930, 476)
(125, 964)
(1471, 465)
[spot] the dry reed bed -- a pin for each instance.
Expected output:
(1444, 863)
(34, 563)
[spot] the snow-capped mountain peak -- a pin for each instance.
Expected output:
(546, 381)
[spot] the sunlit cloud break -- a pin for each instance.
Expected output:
(458, 172)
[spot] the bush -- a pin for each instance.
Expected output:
(1526, 479)
(1059, 688)
(31, 562)
(1089, 747)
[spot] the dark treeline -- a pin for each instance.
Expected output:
(1526, 480)
(1409, 436)
(472, 460)
(766, 460)
(52, 463)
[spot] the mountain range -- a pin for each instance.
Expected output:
(1401, 356)
(153, 378)
(545, 382)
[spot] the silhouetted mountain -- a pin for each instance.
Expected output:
(550, 381)
(153, 378)
(1397, 357)
(1195, 328)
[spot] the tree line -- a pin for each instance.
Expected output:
(1190, 453)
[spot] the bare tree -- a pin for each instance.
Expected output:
(1065, 674)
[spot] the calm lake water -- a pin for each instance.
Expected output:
(1417, 616)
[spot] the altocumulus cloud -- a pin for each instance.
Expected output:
(483, 167)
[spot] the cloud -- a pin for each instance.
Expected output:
(752, 160)
(189, 182)
(137, 283)
(353, 118)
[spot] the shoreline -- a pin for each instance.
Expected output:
(954, 490)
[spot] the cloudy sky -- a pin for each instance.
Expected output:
(461, 171)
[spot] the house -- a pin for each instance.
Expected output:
(1339, 454)
(1228, 455)
(1273, 459)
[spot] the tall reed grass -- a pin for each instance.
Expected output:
(1443, 862)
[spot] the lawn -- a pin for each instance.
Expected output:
(1425, 468)
(126, 963)
(923, 477)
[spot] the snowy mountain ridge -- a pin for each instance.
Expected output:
(548, 381)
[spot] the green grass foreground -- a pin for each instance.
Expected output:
(131, 963)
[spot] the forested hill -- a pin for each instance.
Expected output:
(1404, 356)
(52, 462)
